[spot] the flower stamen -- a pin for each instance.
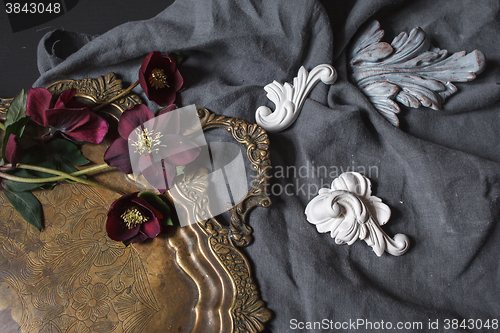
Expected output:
(148, 142)
(158, 79)
(133, 217)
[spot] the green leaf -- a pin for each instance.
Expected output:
(163, 108)
(179, 58)
(126, 243)
(66, 152)
(58, 154)
(27, 205)
(169, 221)
(17, 128)
(17, 109)
(16, 119)
(48, 186)
(157, 203)
(14, 186)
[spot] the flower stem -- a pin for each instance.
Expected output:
(2, 127)
(62, 175)
(123, 93)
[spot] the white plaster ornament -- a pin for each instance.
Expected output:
(289, 99)
(349, 212)
(409, 70)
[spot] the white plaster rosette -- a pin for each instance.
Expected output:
(349, 212)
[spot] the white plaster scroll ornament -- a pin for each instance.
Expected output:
(409, 70)
(290, 98)
(349, 212)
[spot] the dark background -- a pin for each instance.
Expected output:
(18, 51)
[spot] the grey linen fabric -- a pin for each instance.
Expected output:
(439, 173)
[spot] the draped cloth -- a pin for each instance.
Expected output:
(439, 172)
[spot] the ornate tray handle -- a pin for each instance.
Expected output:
(256, 143)
(248, 311)
(4, 106)
(96, 90)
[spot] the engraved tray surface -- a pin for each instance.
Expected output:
(72, 278)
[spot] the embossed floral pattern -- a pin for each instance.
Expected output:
(56, 197)
(124, 304)
(109, 250)
(65, 276)
(4, 244)
(92, 302)
(7, 210)
(65, 324)
(11, 235)
(128, 305)
(53, 225)
(33, 245)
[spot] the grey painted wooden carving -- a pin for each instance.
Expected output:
(409, 70)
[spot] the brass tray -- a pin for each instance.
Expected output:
(72, 278)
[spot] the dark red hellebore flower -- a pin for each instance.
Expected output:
(13, 150)
(159, 78)
(132, 219)
(74, 120)
(151, 136)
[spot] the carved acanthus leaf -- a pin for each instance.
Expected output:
(409, 70)
(349, 212)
